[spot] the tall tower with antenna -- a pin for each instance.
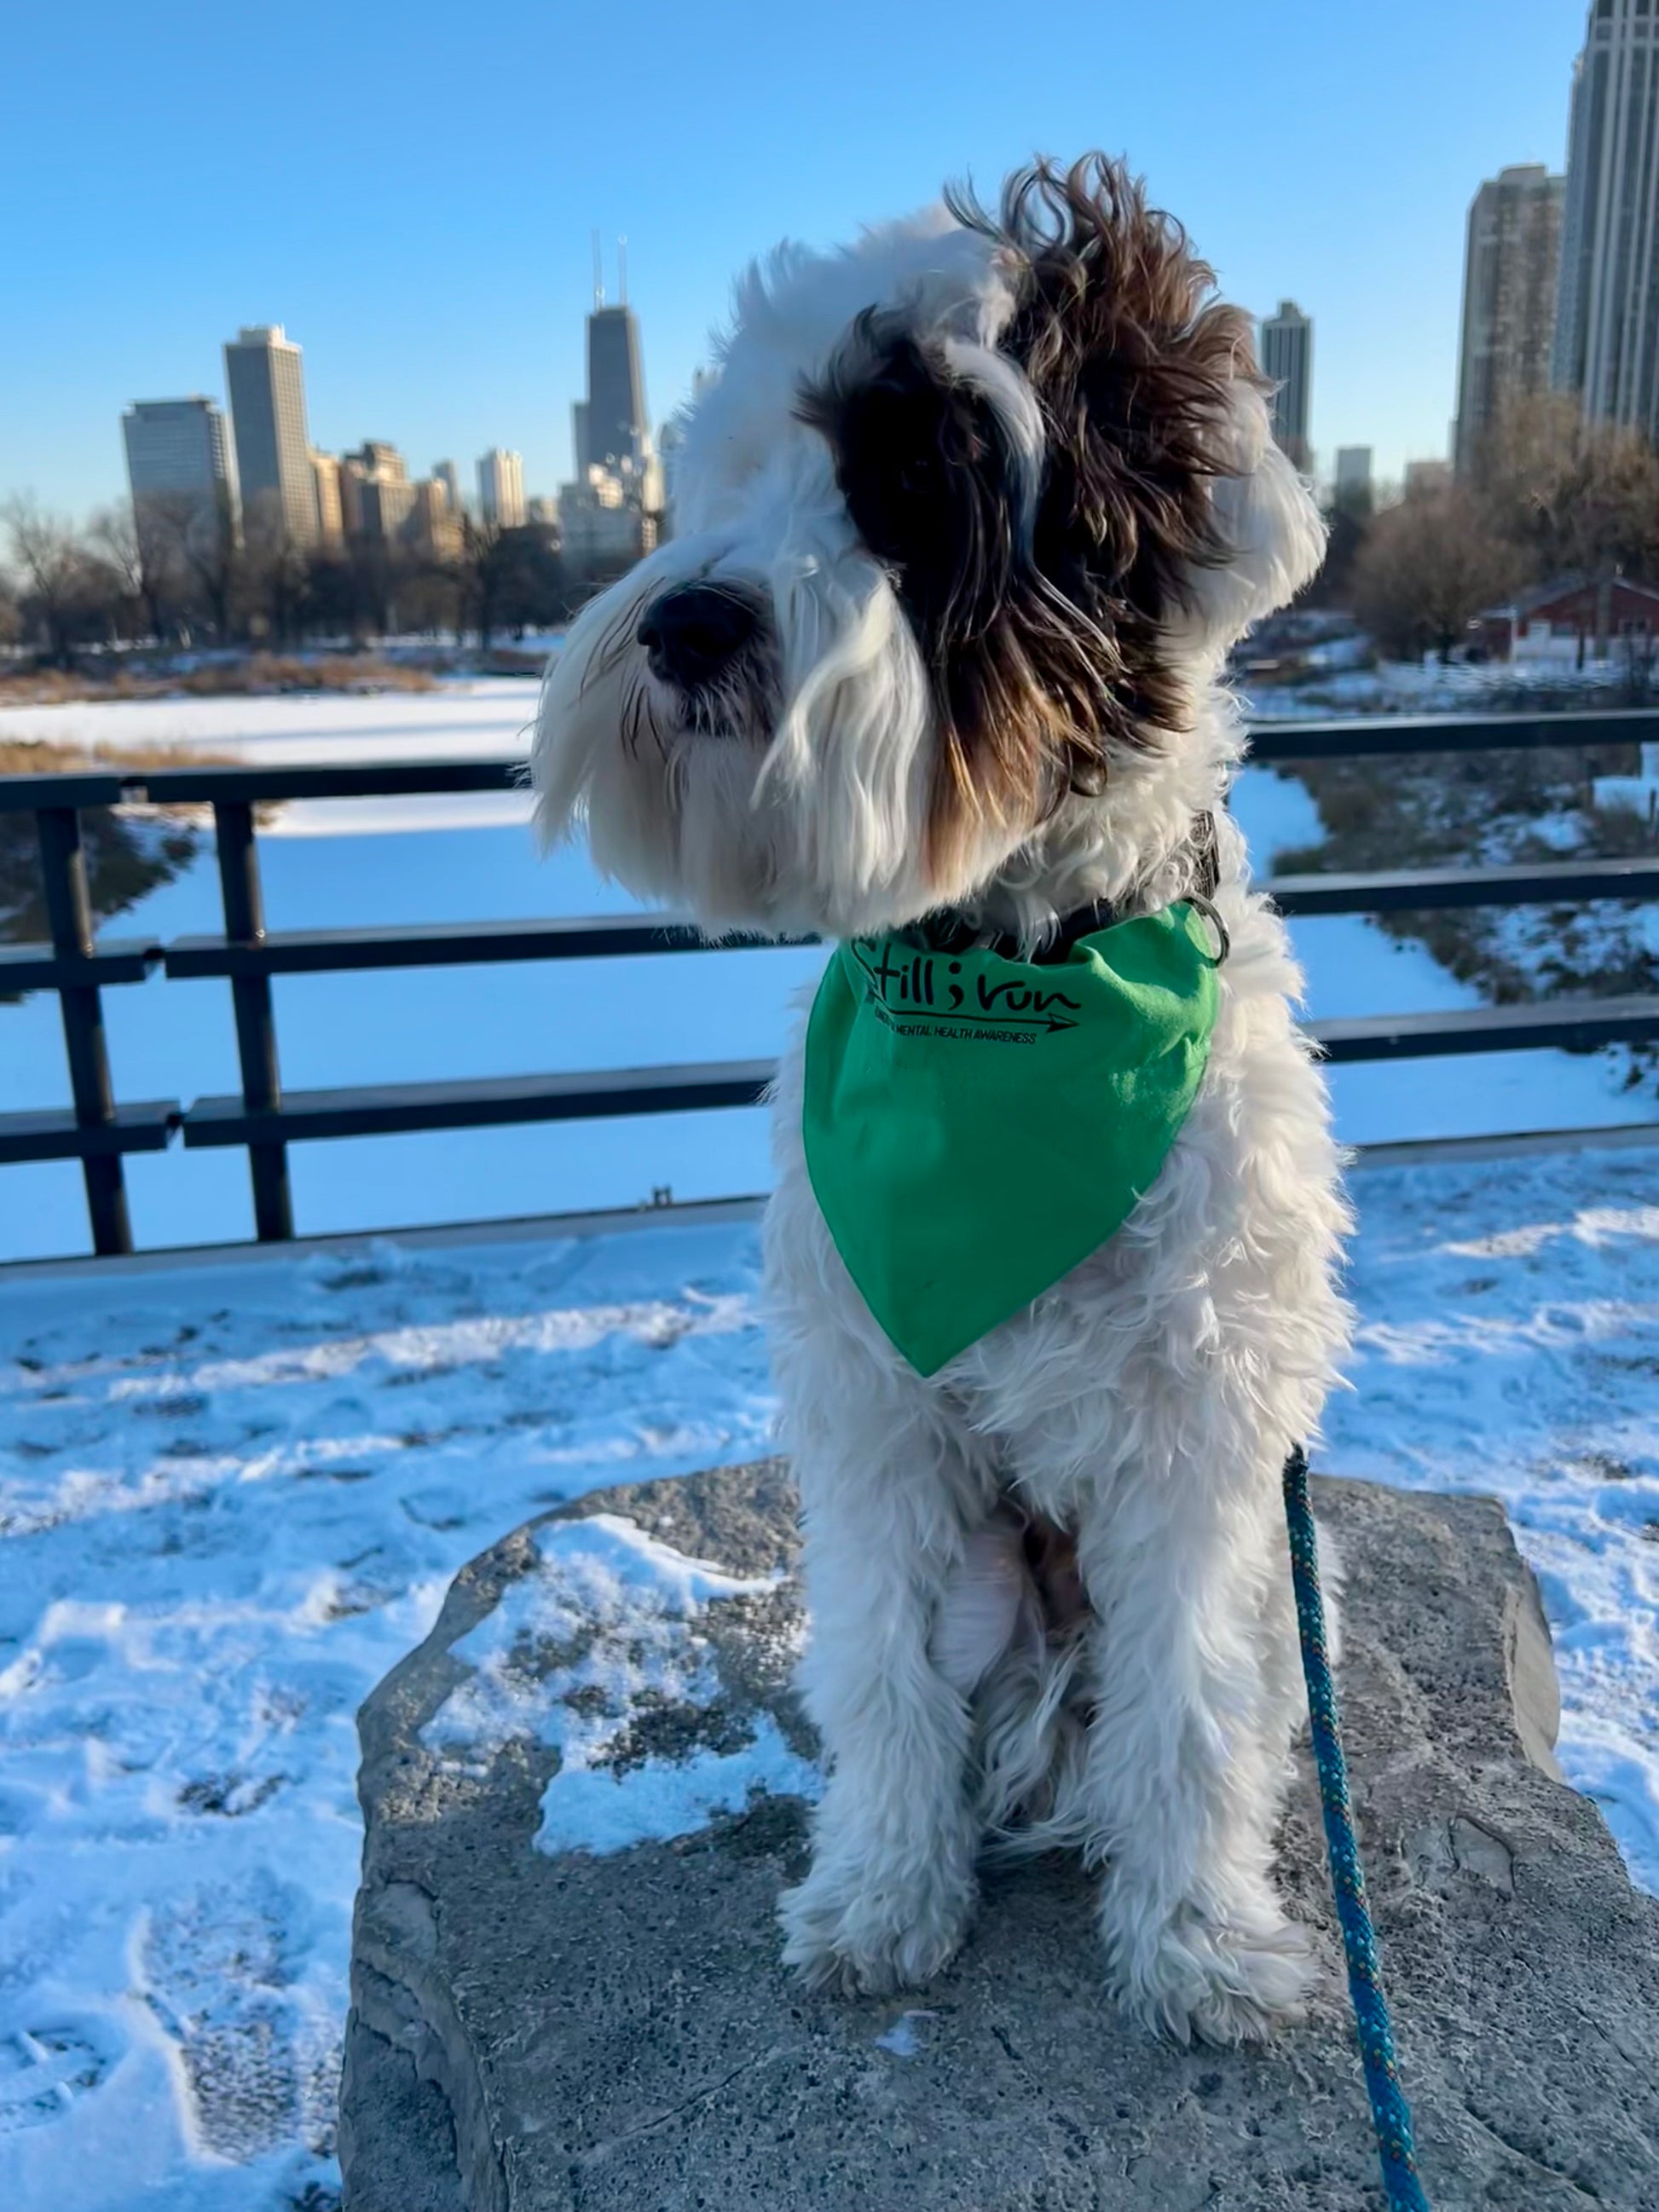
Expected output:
(611, 428)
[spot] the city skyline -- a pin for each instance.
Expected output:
(452, 320)
(255, 458)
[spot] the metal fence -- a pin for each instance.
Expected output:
(99, 1130)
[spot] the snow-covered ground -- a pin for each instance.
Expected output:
(350, 862)
(481, 718)
(232, 1495)
(1338, 689)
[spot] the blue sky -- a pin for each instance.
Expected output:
(411, 189)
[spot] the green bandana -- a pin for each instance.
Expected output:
(976, 1125)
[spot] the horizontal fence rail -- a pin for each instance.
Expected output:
(262, 1119)
(1398, 735)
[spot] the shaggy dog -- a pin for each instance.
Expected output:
(964, 526)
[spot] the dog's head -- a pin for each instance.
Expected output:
(964, 525)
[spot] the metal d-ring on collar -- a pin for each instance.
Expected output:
(1206, 848)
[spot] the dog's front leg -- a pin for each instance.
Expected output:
(1186, 1766)
(891, 1886)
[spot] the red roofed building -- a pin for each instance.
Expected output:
(1574, 619)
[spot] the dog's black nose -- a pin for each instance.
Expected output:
(692, 634)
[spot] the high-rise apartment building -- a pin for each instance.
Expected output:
(178, 457)
(325, 484)
(1354, 474)
(388, 508)
(1510, 271)
(1287, 362)
(263, 375)
(446, 474)
(501, 489)
(376, 497)
(1606, 318)
(433, 525)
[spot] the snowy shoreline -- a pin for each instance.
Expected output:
(232, 1497)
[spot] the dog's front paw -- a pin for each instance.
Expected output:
(1198, 1979)
(865, 1930)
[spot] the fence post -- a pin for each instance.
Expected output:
(255, 1018)
(69, 916)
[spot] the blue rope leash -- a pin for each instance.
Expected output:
(1390, 2114)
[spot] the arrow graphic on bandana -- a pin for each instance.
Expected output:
(975, 1021)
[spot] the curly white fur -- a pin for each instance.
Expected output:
(1146, 1402)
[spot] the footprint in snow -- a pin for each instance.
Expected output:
(42, 2070)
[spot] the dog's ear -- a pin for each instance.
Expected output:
(1271, 535)
(1151, 401)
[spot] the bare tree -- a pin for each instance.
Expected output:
(51, 559)
(1428, 565)
(191, 541)
(1582, 497)
(431, 595)
(138, 543)
(485, 567)
(274, 579)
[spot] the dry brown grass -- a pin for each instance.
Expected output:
(45, 757)
(259, 672)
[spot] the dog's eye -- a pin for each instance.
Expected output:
(907, 442)
(894, 495)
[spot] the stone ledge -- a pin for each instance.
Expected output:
(537, 2031)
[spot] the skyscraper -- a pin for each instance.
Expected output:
(326, 483)
(614, 426)
(376, 497)
(268, 409)
(1287, 362)
(445, 472)
(1607, 319)
(610, 513)
(1509, 272)
(1353, 476)
(433, 525)
(177, 454)
(501, 489)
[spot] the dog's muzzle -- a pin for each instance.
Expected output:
(692, 636)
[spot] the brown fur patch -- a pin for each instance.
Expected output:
(1130, 361)
(1046, 658)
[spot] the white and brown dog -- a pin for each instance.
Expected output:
(965, 526)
